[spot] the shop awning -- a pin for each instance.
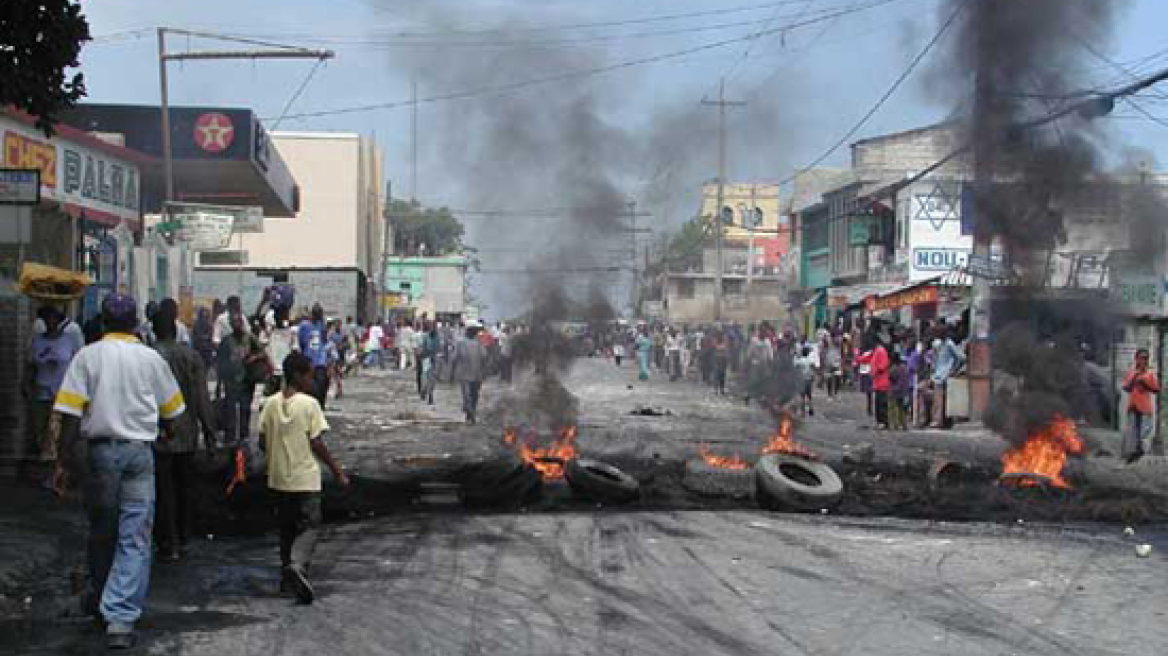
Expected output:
(844, 297)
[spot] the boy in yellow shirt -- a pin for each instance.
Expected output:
(291, 424)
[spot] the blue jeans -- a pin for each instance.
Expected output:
(470, 397)
(119, 498)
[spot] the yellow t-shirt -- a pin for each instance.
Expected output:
(286, 426)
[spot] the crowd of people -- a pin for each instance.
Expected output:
(140, 394)
(902, 373)
(143, 397)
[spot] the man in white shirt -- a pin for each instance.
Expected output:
(373, 345)
(115, 394)
(405, 342)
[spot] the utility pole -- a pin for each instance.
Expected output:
(414, 143)
(276, 52)
(386, 247)
(721, 103)
(636, 287)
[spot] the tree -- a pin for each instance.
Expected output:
(39, 40)
(685, 248)
(421, 230)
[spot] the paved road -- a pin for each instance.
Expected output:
(665, 582)
(696, 583)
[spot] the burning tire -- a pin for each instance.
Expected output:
(502, 482)
(601, 482)
(710, 480)
(786, 482)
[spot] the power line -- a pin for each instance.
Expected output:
(299, 90)
(615, 23)
(383, 44)
(887, 94)
(588, 72)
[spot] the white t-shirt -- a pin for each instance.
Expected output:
(375, 335)
(119, 387)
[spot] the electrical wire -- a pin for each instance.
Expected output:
(567, 75)
(884, 98)
(615, 23)
(299, 90)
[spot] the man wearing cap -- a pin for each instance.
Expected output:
(115, 393)
(469, 367)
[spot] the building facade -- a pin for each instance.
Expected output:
(434, 287)
(338, 226)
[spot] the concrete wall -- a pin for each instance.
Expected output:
(895, 155)
(338, 291)
(766, 301)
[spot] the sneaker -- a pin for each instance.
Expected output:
(300, 585)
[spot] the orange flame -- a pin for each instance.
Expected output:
(783, 441)
(549, 461)
(1044, 453)
(722, 462)
(240, 474)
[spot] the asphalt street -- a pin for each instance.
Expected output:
(443, 581)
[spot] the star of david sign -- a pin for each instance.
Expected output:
(214, 132)
(937, 207)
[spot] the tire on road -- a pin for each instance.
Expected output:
(503, 481)
(786, 482)
(597, 481)
(711, 481)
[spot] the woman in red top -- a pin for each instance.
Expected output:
(1140, 384)
(878, 367)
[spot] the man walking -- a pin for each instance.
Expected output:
(174, 458)
(238, 350)
(291, 425)
(469, 367)
(115, 393)
(311, 336)
(1140, 384)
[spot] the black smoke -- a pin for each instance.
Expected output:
(1039, 186)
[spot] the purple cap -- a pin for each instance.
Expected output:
(120, 307)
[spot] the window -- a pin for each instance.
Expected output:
(685, 288)
(406, 286)
(732, 287)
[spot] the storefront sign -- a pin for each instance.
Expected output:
(91, 179)
(84, 178)
(915, 296)
(24, 152)
(20, 186)
(940, 260)
(1137, 294)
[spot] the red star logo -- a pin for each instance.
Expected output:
(213, 132)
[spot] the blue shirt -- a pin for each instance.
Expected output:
(310, 336)
(946, 358)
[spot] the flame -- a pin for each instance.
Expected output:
(722, 462)
(783, 440)
(1044, 453)
(549, 461)
(240, 474)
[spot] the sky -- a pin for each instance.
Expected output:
(808, 70)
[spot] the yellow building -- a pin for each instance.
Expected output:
(750, 206)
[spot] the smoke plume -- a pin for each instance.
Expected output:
(1040, 186)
